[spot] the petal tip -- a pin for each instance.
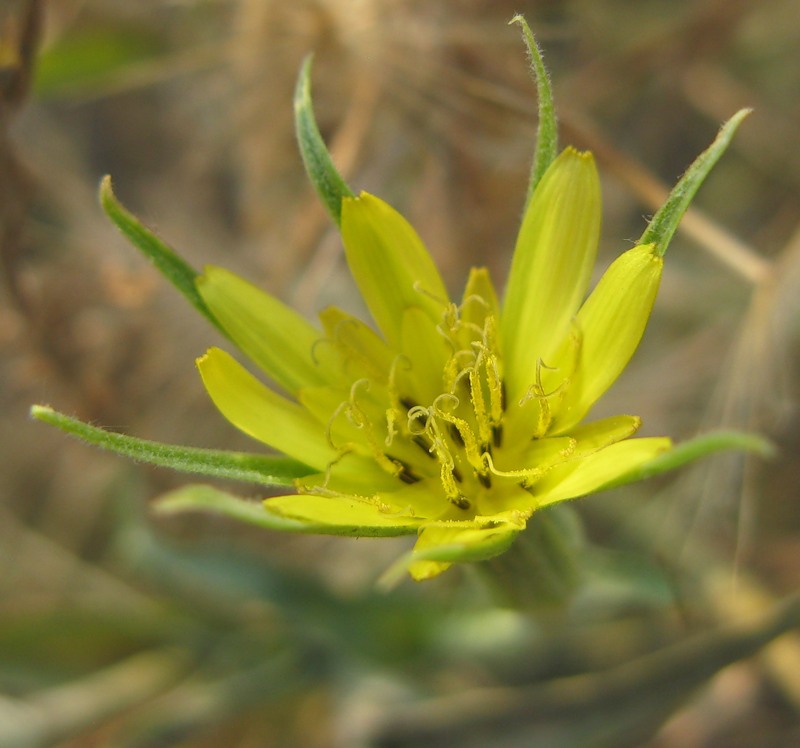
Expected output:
(572, 152)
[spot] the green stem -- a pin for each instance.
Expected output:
(242, 466)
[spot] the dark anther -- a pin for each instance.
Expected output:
(462, 502)
(407, 403)
(503, 394)
(457, 474)
(497, 435)
(424, 444)
(406, 474)
(456, 435)
(485, 479)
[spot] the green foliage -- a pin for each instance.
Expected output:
(83, 61)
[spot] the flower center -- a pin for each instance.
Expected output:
(431, 415)
(456, 433)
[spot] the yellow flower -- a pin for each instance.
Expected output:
(459, 419)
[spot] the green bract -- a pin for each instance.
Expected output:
(459, 418)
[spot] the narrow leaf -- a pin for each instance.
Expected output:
(665, 221)
(694, 449)
(173, 267)
(200, 498)
(547, 132)
(208, 499)
(318, 162)
(242, 466)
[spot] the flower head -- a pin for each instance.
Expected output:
(453, 419)
(457, 419)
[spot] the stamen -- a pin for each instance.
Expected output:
(454, 371)
(424, 444)
(455, 434)
(391, 426)
(329, 426)
(450, 323)
(479, 403)
(464, 429)
(359, 419)
(497, 435)
(448, 481)
(496, 389)
(415, 414)
(461, 501)
(355, 414)
(301, 488)
(318, 342)
(473, 298)
(473, 327)
(536, 392)
(399, 360)
(528, 474)
(408, 403)
(424, 291)
(406, 474)
(485, 479)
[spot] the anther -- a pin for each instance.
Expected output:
(456, 435)
(485, 479)
(457, 474)
(497, 435)
(424, 444)
(406, 474)
(408, 403)
(462, 502)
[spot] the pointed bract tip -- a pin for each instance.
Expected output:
(106, 192)
(665, 222)
(40, 412)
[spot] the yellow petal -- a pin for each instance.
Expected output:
(552, 265)
(541, 456)
(426, 352)
(480, 299)
(533, 455)
(343, 515)
(610, 325)
(259, 412)
(273, 335)
(351, 420)
(590, 437)
(590, 474)
(361, 348)
(390, 264)
(351, 474)
(423, 499)
(442, 544)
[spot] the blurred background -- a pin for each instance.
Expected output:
(118, 628)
